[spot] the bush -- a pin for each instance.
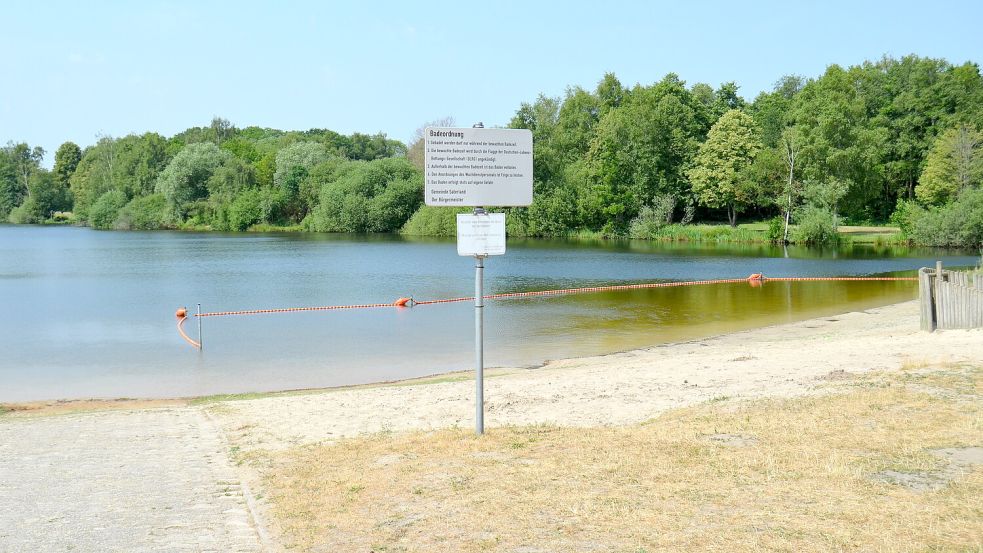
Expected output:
(103, 213)
(433, 221)
(903, 216)
(249, 208)
(143, 213)
(24, 214)
(552, 213)
(776, 229)
(378, 196)
(816, 227)
(647, 224)
(959, 224)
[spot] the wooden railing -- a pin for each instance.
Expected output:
(950, 299)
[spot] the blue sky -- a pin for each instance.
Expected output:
(71, 70)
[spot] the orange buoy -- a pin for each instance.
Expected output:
(181, 313)
(402, 302)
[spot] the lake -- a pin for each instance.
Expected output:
(91, 313)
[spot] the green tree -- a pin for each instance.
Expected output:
(789, 148)
(11, 194)
(772, 110)
(67, 159)
(139, 161)
(47, 194)
(956, 224)
(719, 173)
(106, 208)
(576, 123)
(610, 93)
(826, 196)
(93, 176)
(840, 142)
(301, 155)
(293, 165)
(130, 164)
(376, 196)
(185, 179)
(954, 164)
(25, 162)
(143, 213)
(416, 152)
(641, 150)
(265, 169)
(221, 130)
(540, 118)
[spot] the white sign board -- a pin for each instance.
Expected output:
(477, 167)
(482, 234)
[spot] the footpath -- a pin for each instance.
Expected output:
(145, 480)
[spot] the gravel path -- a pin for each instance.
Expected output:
(147, 480)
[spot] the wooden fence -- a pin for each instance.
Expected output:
(950, 299)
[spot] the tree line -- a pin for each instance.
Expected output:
(895, 140)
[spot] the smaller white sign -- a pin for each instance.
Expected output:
(481, 234)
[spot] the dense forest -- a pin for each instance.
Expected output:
(893, 141)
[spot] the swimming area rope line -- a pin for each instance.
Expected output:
(755, 279)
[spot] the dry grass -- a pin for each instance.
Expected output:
(847, 229)
(789, 475)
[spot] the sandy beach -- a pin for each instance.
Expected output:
(200, 498)
(617, 389)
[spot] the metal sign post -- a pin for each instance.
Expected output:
(479, 343)
(480, 235)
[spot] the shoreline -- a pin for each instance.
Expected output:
(80, 405)
(788, 360)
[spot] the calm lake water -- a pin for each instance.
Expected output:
(91, 314)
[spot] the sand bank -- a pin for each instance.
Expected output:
(617, 389)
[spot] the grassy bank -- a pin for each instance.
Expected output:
(885, 463)
(442, 223)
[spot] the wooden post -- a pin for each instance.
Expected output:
(977, 306)
(959, 305)
(937, 297)
(925, 299)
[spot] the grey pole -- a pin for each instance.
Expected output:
(479, 352)
(199, 327)
(479, 333)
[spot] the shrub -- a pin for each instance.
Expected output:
(378, 196)
(816, 227)
(959, 224)
(649, 220)
(433, 221)
(903, 216)
(246, 210)
(143, 213)
(23, 214)
(552, 213)
(776, 229)
(103, 213)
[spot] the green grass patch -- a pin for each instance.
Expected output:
(876, 239)
(710, 234)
